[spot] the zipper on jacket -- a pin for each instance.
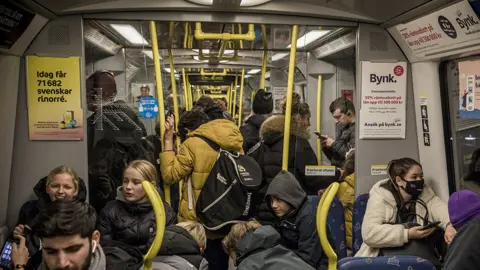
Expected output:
(220, 197)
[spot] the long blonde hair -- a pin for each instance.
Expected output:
(146, 169)
(61, 170)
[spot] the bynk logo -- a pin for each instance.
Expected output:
(466, 22)
(374, 78)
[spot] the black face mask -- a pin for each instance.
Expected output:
(414, 188)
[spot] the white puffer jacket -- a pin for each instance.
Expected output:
(382, 209)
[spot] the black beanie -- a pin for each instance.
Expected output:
(263, 102)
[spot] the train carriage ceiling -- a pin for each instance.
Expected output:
(374, 11)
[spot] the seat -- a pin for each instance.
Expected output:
(359, 208)
(385, 263)
(336, 224)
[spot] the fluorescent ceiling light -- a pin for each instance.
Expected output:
(129, 33)
(249, 3)
(267, 75)
(202, 2)
(168, 70)
(204, 51)
(228, 52)
(224, 61)
(198, 59)
(149, 53)
(310, 37)
(278, 56)
(248, 76)
(470, 138)
(254, 71)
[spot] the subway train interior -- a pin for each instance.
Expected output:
(409, 67)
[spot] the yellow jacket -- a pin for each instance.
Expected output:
(346, 194)
(195, 160)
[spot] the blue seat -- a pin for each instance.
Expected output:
(359, 208)
(336, 224)
(385, 263)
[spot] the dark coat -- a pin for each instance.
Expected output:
(344, 141)
(251, 131)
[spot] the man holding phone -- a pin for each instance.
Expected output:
(343, 111)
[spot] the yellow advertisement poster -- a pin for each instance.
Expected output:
(54, 101)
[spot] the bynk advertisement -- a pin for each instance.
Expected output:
(469, 91)
(383, 106)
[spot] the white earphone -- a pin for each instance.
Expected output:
(94, 246)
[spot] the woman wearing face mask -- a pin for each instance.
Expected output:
(130, 218)
(398, 209)
(61, 183)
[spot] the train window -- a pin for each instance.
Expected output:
(464, 120)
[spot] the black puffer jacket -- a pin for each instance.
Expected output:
(130, 223)
(179, 251)
(30, 210)
(251, 131)
(298, 229)
(269, 157)
(344, 141)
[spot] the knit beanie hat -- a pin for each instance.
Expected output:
(263, 102)
(462, 207)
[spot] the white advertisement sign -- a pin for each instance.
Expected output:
(279, 94)
(378, 170)
(383, 107)
(320, 170)
(453, 27)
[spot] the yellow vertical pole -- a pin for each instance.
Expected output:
(161, 106)
(265, 58)
(288, 112)
(319, 114)
(240, 105)
(229, 97)
(185, 91)
(174, 85)
(234, 109)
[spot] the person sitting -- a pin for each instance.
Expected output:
(346, 193)
(298, 229)
(61, 183)
(255, 247)
(66, 229)
(262, 107)
(464, 250)
(397, 211)
(130, 217)
(182, 248)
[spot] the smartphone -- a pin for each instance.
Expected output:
(319, 135)
(6, 255)
(431, 225)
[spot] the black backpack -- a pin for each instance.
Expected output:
(230, 192)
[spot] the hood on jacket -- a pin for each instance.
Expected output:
(275, 125)
(40, 190)
(256, 120)
(387, 196)
(223, 132)
(177, 241)
(121, 256)
(261, 239)
(286, 188)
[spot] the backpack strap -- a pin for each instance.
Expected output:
(211, 143)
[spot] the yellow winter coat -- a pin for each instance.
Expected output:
(196, 158)
(346, 194)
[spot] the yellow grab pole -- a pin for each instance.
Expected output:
(319, 114)
(288, 112)
(234, 109)
(160, 220)
(185, 91)
(265, 58)
(174, 87)
(161, 106)
(190, 94)
(229, 97)
(240, 105)
(321, 220)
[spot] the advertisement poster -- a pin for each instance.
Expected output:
(54, 104)
(383, 103)
(279, 94)
(281, 38)
(14, 20)
(453, 27)
(469, 92)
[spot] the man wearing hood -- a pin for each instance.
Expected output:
(297, 228)
(256, 247)
(70, 241)
(262, 106)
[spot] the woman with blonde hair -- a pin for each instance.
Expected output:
(61, 183)
(130, 218)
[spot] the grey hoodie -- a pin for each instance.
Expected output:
(98, 261)
(286, 187)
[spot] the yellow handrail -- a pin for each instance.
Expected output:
(321, 218)
(288, 113)
(240, 105)
(319, 114)
(160, 220)
(174, 86)
(161, 106)
(200, 35)
(234, 109)
(265, 58)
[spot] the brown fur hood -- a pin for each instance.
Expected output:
(276, 124)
